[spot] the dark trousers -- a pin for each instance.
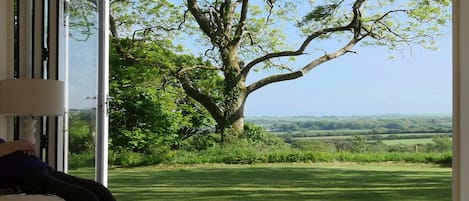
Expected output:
(70, 188)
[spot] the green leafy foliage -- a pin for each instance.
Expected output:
(81, 131)
(313, 145)
(318, 13)
(148, 106)
(441, 144)
(359, 144)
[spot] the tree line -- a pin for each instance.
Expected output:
(368, 125)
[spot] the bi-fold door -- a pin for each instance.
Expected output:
(51, 39)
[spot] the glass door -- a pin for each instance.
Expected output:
(82, 84)
(88, 50)
(36, 31)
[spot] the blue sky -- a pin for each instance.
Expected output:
(366, 83)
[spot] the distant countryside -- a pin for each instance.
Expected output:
(389, 133)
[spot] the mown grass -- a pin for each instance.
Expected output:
(271, 182)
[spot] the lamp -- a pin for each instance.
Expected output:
(31, 97)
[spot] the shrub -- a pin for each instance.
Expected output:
(359, 144)
(313, 145)
(253, 132)
(157, 154)
(441, 144)
(127, 158)
(188, 157)
(200, 142)
(84, 159)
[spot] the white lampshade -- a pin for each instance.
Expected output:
(34, 97)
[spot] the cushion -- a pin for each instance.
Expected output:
(23, 197)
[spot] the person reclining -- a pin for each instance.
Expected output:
(19, 167)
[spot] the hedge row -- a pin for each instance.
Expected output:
(252, 157)
(308, 156)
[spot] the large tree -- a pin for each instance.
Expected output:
(240, 36)
(246, 36)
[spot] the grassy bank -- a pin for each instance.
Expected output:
(271, 182)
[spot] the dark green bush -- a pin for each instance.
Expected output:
(313, 145)
(200, 142)
(84, 159)
(127, 158)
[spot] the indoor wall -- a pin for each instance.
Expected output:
(6, 55)
(460, 100)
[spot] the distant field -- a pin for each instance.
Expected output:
(408, 141)
(327, 132)
(324, 137)
(389, 142)
(280, 182)
(382, 135)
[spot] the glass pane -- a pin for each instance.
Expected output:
(82, 76)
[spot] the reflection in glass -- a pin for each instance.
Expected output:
(82, 76)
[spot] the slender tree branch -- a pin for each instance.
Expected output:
(202, 98)
(303, 71)
(115, 35)
(203, 22)
(353, 24)
(151, 29)
(113, 27)
(297, 52)
(186, 69)
(388, 13)
(242, 22)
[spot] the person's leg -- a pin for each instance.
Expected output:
(44, 183)
(99, 190)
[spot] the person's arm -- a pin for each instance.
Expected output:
(14, 146)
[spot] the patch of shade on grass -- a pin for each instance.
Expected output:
(271, 182)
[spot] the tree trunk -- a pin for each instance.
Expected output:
(236, 116)
(238, 125)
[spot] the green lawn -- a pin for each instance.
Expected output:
(271, 182)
